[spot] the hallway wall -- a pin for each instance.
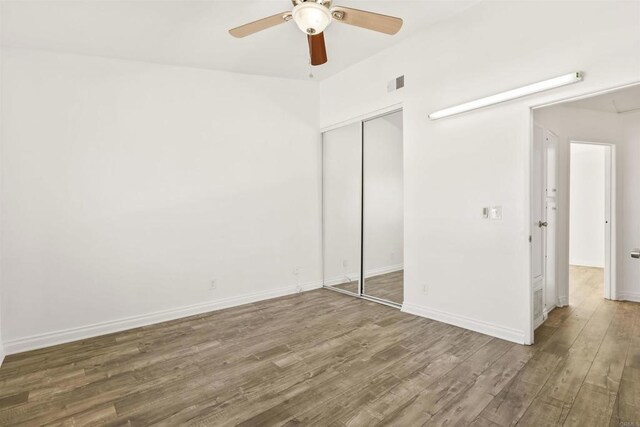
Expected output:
(629, 194)
(587, 196)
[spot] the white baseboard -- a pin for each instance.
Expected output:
(547, 310)
(73, 334)
(539, 321)
(629, 296)
(563, 301)
(466, 322)
(383, 270)
(351, 277)
(1, 355)
(586, 264)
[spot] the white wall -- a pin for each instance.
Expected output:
(476, 272)
(129, 186)
(629, 202)
(586, 230)
(383, 195)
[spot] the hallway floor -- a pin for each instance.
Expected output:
(593, 351)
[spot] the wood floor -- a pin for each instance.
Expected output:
(324, 358)
(388, 286)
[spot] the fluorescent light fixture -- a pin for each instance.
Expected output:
(567, 79)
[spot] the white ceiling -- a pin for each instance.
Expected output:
(194, 33)
(619, 101)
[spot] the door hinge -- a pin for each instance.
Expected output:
(529, 239)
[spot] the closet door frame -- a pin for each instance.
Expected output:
(361, 119)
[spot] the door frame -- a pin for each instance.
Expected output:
(364, 117)
(547, 235)
(610, 203)
(393, 108)
(551, 100)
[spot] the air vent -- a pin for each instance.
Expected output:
(537, 304)
(395, 84)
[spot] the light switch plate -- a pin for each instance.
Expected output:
(495, 213)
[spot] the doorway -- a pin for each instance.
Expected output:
(363, 212)
(606, 123)
(578, 222)
(590, 195)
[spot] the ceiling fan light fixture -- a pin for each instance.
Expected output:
(312, 18)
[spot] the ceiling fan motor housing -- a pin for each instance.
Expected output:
(326, 3)
(312, 16)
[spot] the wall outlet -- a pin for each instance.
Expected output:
(495, 213)
(296, 271)
(212, 284)
(345, 263)
(425, 289)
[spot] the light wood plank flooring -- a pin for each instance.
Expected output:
(324, 358)
(388, 286)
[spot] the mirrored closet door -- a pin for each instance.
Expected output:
(363, 209)
(383, 212)
(342, 207)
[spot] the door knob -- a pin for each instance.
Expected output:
(542, 224)
(635, 253)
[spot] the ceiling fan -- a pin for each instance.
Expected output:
(313, 17)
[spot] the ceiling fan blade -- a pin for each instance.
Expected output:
(369, 20)
(260, 24)
(317, 49)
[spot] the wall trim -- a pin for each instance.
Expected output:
(355, 276)
(363, 117)
(1, 355)
(49, 339)
(540, 321)
(482, 327)
(339, 280)
(383, 270)
(629, 296)
(546, 311)
(584, 263)
(563, 301)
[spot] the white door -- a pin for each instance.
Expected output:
(538, 225)
(609, 251)
(551, 292)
